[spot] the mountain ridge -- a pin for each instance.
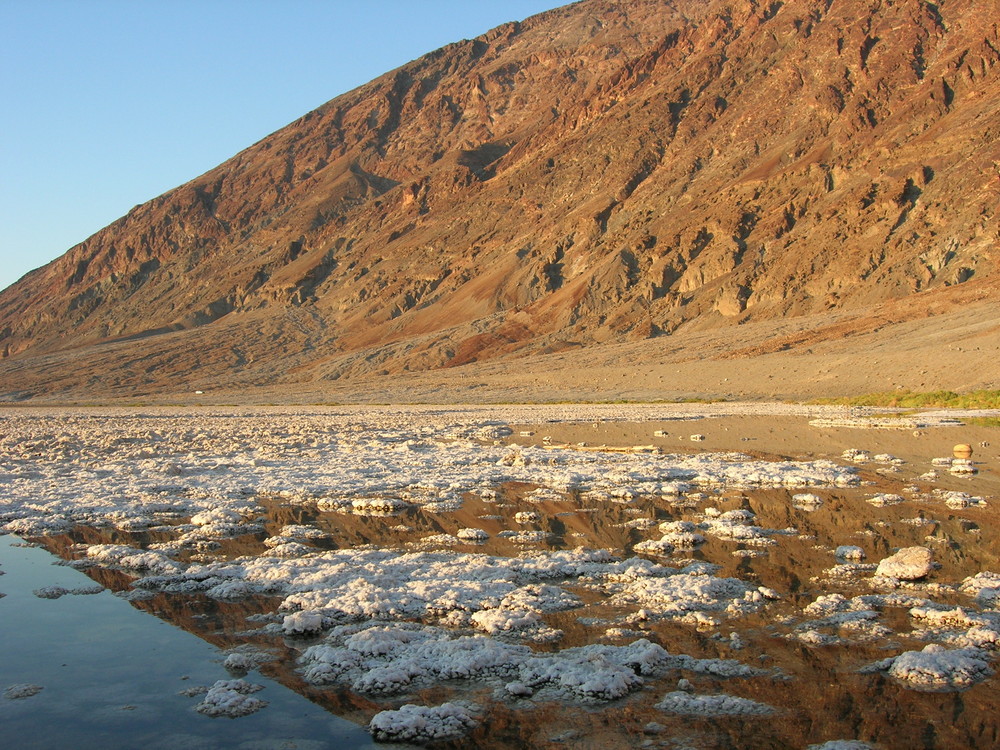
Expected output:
(601, 172)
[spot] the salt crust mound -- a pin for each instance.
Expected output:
(984, 586)
(245, 658)
(456, 588)
(422, 724)
(678, 595)
(388, 659)
(850, 552)
(909, 564)
(122, 555)
(806, 501)
(680, 702)
(231, 698)
(954, 626)
(55, 592)
(136, 471)
(938, 669)
(732, 525)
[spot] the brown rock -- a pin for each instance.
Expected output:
(962, 450)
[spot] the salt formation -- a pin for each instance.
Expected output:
(681, 595)
(388, 659)
(683, 534)
(909, 564)
(885, 499)
(231, 698)
(422, 724)
(985, 587)
(245, 658)
(55, 592)
(681, 702)
(807, 501)
(939, 669)
(957, 500)
(302, 623)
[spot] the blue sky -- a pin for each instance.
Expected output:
(105, 104)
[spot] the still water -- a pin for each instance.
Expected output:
(112, 675)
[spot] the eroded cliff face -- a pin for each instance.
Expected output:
(605, 170)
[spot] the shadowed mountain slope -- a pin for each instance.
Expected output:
(604, 172)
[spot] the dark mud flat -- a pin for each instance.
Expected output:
(111, 675)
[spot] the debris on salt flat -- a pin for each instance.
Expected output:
(681, 702)
(231, 698)
(422, 724)
(21, 690)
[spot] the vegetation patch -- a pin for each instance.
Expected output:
(914, 400)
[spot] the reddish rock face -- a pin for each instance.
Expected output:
(612, 169)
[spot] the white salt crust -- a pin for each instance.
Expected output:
(936, 668)
(422, 724)
(135, 470)
(681, 702)
(388, 659)
(231, 698)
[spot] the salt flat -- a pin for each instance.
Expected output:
(611, 574)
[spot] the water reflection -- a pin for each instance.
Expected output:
(111, 677)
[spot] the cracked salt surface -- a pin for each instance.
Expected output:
(403, 551)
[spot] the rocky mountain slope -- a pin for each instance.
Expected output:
(610, 171)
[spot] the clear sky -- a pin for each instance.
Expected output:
(105, 104)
